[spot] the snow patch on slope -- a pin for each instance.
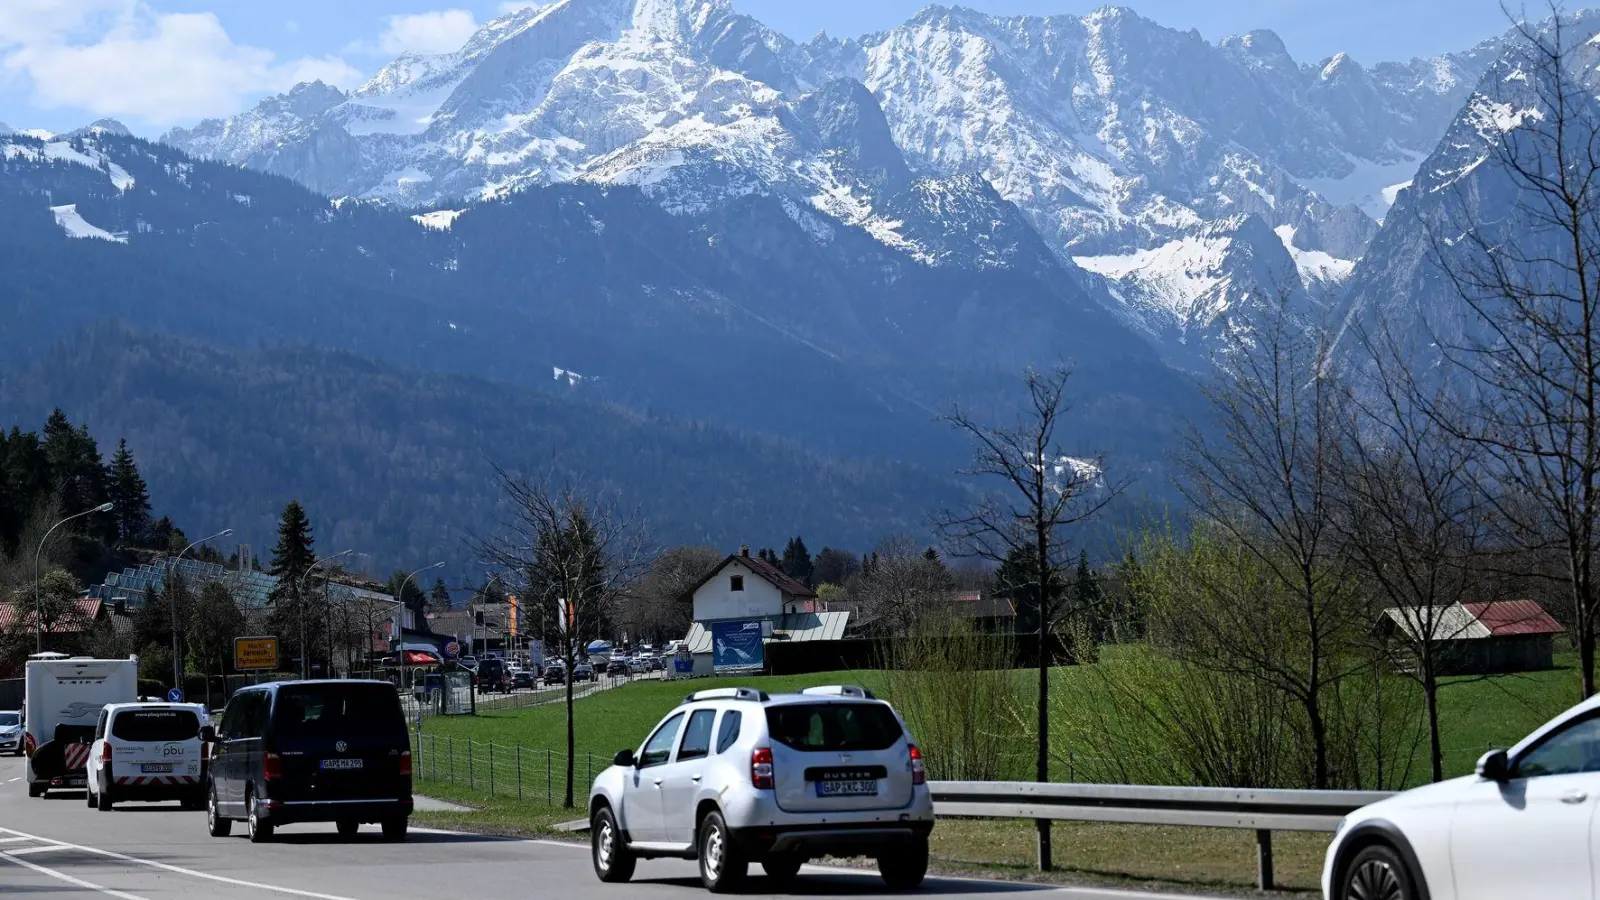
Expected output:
(1315, 266)
(439, 219)
(76, 227)
(1370, 185)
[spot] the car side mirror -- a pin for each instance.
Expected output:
(1494, 766)
(623, 759)
(208, 735)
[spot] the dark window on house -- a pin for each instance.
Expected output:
(736, 583)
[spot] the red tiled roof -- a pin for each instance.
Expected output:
(14, 616)
(1511, 617)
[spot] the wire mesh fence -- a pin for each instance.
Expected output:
(512, 771)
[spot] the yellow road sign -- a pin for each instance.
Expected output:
(255, 653)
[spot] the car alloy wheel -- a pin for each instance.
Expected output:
(1376, 874)
(716, 851)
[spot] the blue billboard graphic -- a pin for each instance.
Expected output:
(736, 645)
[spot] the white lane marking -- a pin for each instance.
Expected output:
(11, 840)
(76, 882)
(18, 778)
(27, 851)
(192, 873)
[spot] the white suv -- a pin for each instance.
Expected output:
(147, 751)
(1523, 826)
(734, 776)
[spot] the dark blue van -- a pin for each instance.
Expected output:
(310, 751)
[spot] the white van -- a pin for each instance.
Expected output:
(63, 699)
(148, 751)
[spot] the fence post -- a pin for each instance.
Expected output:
(1264, 859)
(472, 781)
(549, 778)
(452, 749)
(491, 768)
(519, 771)
(589, 755)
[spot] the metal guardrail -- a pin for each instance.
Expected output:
(1261, 810)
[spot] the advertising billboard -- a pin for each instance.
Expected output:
(736, 646)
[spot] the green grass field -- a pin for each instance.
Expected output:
(1475, 713)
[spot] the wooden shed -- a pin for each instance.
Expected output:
(1482, 638)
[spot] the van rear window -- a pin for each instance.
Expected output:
(338, 710)
(143, 725)
(816, 727)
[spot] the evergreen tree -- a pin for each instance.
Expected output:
(439, 597)
(412, 595)
(834, 566)
(797, 560)
(1017, 580)
(932, 555)
(77, 473)
(131, 496)
(1088, 600)
(293, 553)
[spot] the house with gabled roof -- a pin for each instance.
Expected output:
(745, 588)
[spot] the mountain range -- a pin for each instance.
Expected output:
(664, 209)
(1133, 150)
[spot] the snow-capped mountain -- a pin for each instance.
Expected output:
(1114, 136)
(1403, 285)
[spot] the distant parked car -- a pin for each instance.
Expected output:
(657, 664)
(583, 672)
(11, 731)
(524, 679)
(639, 665)
(556, 673)
(618, 667)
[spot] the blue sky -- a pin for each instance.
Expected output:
(156, 63)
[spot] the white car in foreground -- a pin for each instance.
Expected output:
(1524, 826)
(734, 777)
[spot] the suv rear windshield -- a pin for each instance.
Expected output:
(338, 710)
(814, 727)
(141, 725)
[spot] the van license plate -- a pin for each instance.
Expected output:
(158, 768)
(343, 763)
(847, 788)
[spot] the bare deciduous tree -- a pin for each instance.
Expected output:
(572, 557)
(1415, 516)
(1531, 350)
(1264, 476)
(655, 607)
(1039, 493)
(900, 588)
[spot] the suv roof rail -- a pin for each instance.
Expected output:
(841, 690)
(733, 693)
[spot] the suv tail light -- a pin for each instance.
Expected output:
(271, 765)
(918, 774)
(405, 762)
(105, 753)
(761, 767)
(28, 745)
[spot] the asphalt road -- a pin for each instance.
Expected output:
(58, 849)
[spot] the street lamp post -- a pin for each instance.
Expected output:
(177, 661)
(38, 622)
(300, 595)
(400, 621)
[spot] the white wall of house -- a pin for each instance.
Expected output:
(716, 599)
